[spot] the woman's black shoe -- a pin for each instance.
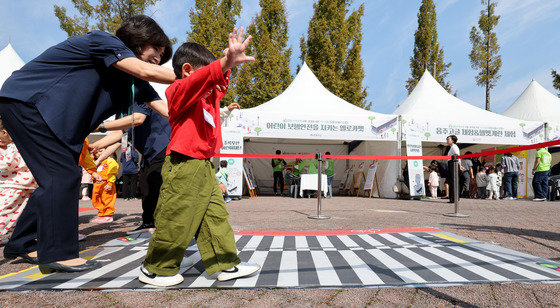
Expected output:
(24, 256)
(57, 267)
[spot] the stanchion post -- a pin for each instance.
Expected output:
(456, 188)
(319, 157)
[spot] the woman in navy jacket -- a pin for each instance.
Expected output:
(51, 105)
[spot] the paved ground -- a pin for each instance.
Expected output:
(520, 225)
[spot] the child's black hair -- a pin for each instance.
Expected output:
(194, 54)
(278, 152)
(481, 168)
(140, 30)
(433, 168)
(223, 164)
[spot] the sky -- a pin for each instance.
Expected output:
(527, 33)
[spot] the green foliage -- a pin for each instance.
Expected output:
(270, 74)
(105, 15)
(555, 80)
(484, 55)
(333, 49)
(211, 22)
(427, 54)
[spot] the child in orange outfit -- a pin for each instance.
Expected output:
(104, 194)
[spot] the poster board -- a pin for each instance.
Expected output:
(344, 179)
(233, 144)
(415, 167)
(370, 178)
(359, 176)
(350, 179)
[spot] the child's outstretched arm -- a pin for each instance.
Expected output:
(235, 54)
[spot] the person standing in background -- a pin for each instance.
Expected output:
(451, 170)
(467, 175)
(278, 173)
(433, 181)
(541, 171)
(511, 168)
(130, 175)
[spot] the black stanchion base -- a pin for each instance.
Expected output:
(318, 217)
(456, 215)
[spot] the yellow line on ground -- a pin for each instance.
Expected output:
(450, 238)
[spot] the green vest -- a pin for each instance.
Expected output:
(279, 166)
(330, 168)
(296, 169)
(545, 162)
(312, 166)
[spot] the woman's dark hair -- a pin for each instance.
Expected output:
(433, 168)
(468, 152)
(140, 30)
(192, 53)
(453, 137)
(508, 154)
(223, 164)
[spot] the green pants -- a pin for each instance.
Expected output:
(190, 205)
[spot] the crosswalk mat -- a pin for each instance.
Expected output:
(315, 259)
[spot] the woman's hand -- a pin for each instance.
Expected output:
(232, 106)
(96, 177)
(108, 187)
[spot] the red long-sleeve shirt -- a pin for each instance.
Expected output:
(194, 103)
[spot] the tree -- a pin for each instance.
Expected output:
(270, 74)
(106, 15)
(211, 22)
(332, 49)
(427, 54)
(555, 80)
(484, 55)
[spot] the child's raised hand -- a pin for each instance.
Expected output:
(235, 54)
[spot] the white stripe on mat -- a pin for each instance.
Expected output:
(105, 269)
(253, 243)
(301, 242)
(416, 238)
(325, 242)
(370, 240)
(480, 271)
(399, 269)
(348, 241)
(288, 274)
(439, 269)
(510, 267)
(362, 270)
(393, 239)
(324, 269)
(277, 242)
(258, 257)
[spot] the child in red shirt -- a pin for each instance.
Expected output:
(191, 202)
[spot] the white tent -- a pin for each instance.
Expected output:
(307, 118)
(537, 104)
(434, 113)
(10, 61)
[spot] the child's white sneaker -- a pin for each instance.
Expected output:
(158, 280)
(241, 270)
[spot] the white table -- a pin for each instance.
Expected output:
(309, 182)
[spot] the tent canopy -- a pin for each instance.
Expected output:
(10, 61)
(429, 99)
(535, 104)
(432, 113)
(307, 110)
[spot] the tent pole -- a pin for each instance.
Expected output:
(399, 146)
(456, 189)
(546, 137)
(319, 157)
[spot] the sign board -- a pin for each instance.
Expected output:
(233, 144)
(506, 132)
(309, 126)
(370, 178)
(350, 179)
(415, 167)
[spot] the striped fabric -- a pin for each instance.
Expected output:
(352, 260)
